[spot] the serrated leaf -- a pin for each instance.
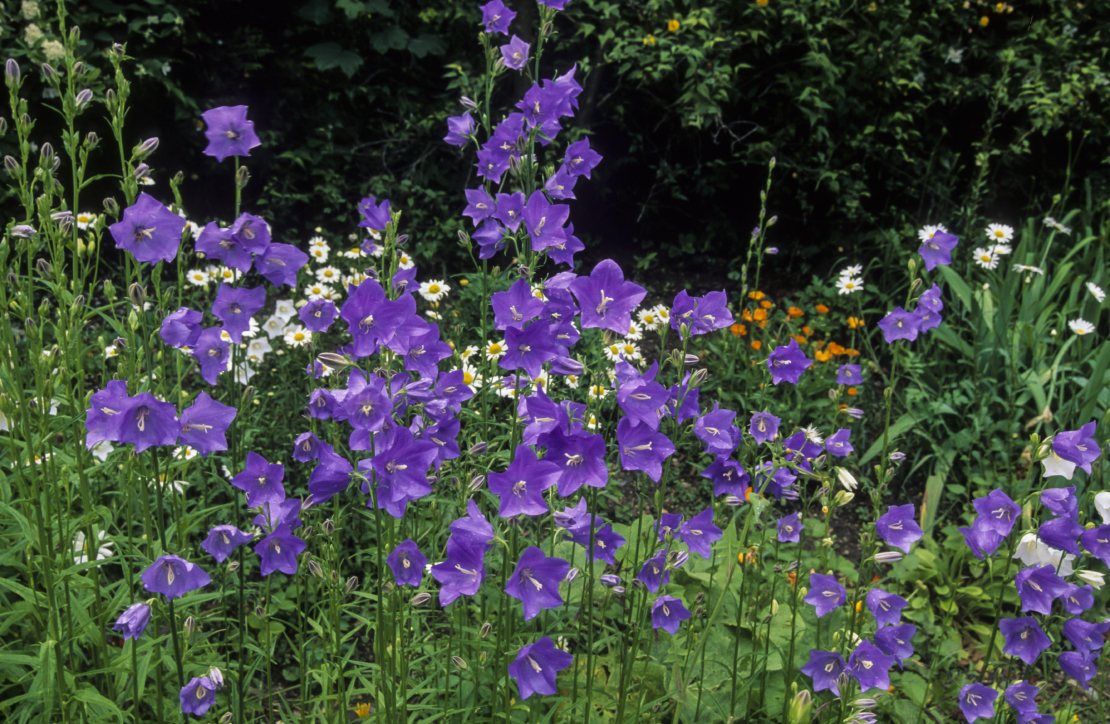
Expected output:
(426, 44)
(332, 55)
(316, 11)
(393, 37)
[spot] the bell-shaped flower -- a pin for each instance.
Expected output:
(459, 128)
(580, 159)
(216, 243)
(900, 324)
(898, 527)
(213, 353)
(977, 701)
(133, 621)
(520, 488)
(716, 430)
(1023, 697)
(537, 664)
(461, 574)
(1085, 636)
(222, 541)
(229, 132)
(870, 666)
(997, 513)
(937, 249)
(182, 328)
(848, 375)
(279, 264)
(251, 233)
(279, 551)
(535, 582)
(1061, 502)
(516, 307)
(837, 444)
(1038, 587)
(642, 449)
(790, 528)
(825, 668)
(606, 299)
(306, 447)
(1062, 533)
(1077, 599)
(372, 318)
(480, 205)
(496, 18)
(699, 533)
(331, 476)
(825, 593)
(102, 419)
(654, 572)
(273, 514)
(885, 607)
(897, 641)
(261, 481)
(147, 422)
(1079, 666)
(318, 314)
(402, 468)
(198, 696)
(581, 460)
(473, 530)
(700, 315)
(203, 425)
(787, 363)
(148, 230)
(764, 427)
(1097, 543)
(1078, 447)
(375, 216)
(407, 563)
(173, 577)
(668, 613)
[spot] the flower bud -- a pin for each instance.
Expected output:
(117, 50)
(259, 613)
(610, 579)
(733, 502)
(469, 104)
(148, 146)
(141, 171)
(3, 125)
(476, 483)
(842, 498)
(352, 584)
(136, 294)
(315, 569)
(772, 221)
(308, 502)
(46, 153)
(459, 663)
(227, 718)
(864, 703)
(83, 99)
(328, 526)
(691, 359)
(846, 479)
(571, 575)
(800, 706)
(774, 606)
(483, 632)
(681, 558)
(12, 167)
(232, 566)
(79, 69)
(110, 98)
(698, 377)
(11, 72)
(888, 557)
(420, 599)
(92, 140)
(242, 177)
(619, 590)
(49, 74)
(43, 266)
(190, 626)
(1096, 579)
(307, 533)
(111, 207)
(478, 448)
(566, 366)
(216, 677)
(402, 239)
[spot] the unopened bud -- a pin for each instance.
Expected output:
(698, 377)
(148, 146)
(315, 569)
(571, 575)
(800, 705)
(402, 239)
(46, 153)
(242, 177)
(483, 632)
(190, 626)
(141, 171)
(136, 294)
(11, 72)
(352, 584)
(774, 606)
(259, 612)
(610, 579)
(232, 566)
(79, 69)
(842, 498)
(888, 557)
(772, 221)
(681, 558)
(476, 483)
(464, 100)
(464, 239)
(248, 394)
(117, 50)
(92, 140)
(111, 207)
(691, 359)
(83, 99)
(43, 266)
(328, 526)
(227, 718)
(420, 599)
(619, 590)
(49, 74)
(699, 599)
(12, 167)
(459, 663)
(478, 448)
(307, 533)
(3, 125)
(216, 677)
(733, 502)
(308, 502)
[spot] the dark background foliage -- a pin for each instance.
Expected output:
(882, 116)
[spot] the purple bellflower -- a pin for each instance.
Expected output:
(536, 666)
(825, 668)
(235, 306)
(1079, 666)
(103, 416)
(279, 264)
(287, 511)
(515, 53)
(837, 444)
(279, 551)
(580, 159)
(825, 593)
(199, 694)
(222, 541)
(896, 641)
(977, 701)
(473, 530)
(461, 574)
(459, 128)
(1077, 599)
(997, 513)
(331, 476)
(606, 299)
(149, 230)
(870, 666)
(510, 211)
(885, 607)
(147, 422)
(790, 529)
(848, 375)
(375, 216)
(699, 533)
(716, 430)
(216, 243)
(529, 348)
(898, 528)
(1038, 587)
(229, 132)
(982, 542)
(251, 233)
(133, 621)
(402, 468)
(938, 250)
(318, 314)
(787, 363)
(212, 352)
(776, 485)
(520, 488)
(654, 572)
(1061, 501)
(580, 457)
(668, 613)
(728, 477)
(1023, 697)
(1095, 540)
(407, 563)
(1085, 636)
(173, 577)
(764, 427)
(516, 307)
(642, 449)
(900, 324)
(700, 315)
(372, 318)
(642, 401)
(496, 17)
(1063, 534)
(261, 481)
(182, 328)
(544, 221)
(480, 205)
(560, 185)
(535, 582)
(1078, 446)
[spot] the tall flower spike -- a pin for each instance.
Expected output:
(229, 132)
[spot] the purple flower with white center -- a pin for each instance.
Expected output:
(375, 216)
(1023, 697)
(331, 476)
(700, 315)
(419, 343)
(366, 405)
(479, 205)
(1085, 636)
(1077, 599)
(453, 390)
(580, 457)
(459, 129)
(825, 593)
(982, 542)
(287, 511)
(544, 221)
(715, 429)
(885, 607)
(229, 132)
(212, 352)
(279, 264)
(251, 233)
(654, 572)
(560, 186)
(580, 159)
(279, 551)
(510, 211)
(182, 328)
(516, 307)
(937, 250)
(535, 582)
(407, 563)
(444, 435)
(541, 108)
(473, 529)
(563, 251)
(606, 542)
(496, 18)
(317, 315)
(520, 488)
(1061, 501)
(515, 53)
(870, 666)
(199, 694)
(235, 307)
(642, 449)
(529, 348)
(775, 485)
(574, 520)
(372, 318)
(543, 417)
(403, 278)
(1079, 666)
(102, 418)
(536, 666)
(837, 444)
(898, 528)
(643, 402)
(261, 481)
(461, 574)
(849, 375)
(148, 230)
(321, 404)
(997, 513)
(699, 533)
(1078, 446)
(133, 621)
(787, 363)
(222, 541)
(790, 528)
(927, 319)
(402, 468)
(1037, 587)
(688, 396)
(173, 577)
(1095, 540)
(897, 641)
(900, 324)
(728, 477)
(825, 668)
(216, 243)
(668, 613)
(606, 299)
(668, 525)
(977, 701)
(1063, 534)
(764, 427)
(147, 422)
(800, 450)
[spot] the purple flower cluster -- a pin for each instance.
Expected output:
(146, 421)
(248, 242)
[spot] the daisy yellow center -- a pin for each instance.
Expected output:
(433, 289)
(494, 348)
(298, 336)
(999, 234)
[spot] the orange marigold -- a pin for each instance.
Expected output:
(823, 356)
(792, 576)
(835, 348)
(852, 392)
(756, 295)
(738, 330)
(673, 26)
(807, 330)
(798, 338)
(760, 315)
(852, 352)
(756, 344)
(794, 312)
(854, 322)
(766, 304)
(747, 314)
(822, 309)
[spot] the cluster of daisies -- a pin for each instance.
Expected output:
(850, 280)
(999, 236)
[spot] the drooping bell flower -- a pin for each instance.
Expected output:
(997, 513)
(203, 425)
(535, 582)
(938, 250)
(885, 607)
(520, 488)
(837, 444)
(977, 701)
(279, 551)
(790, 529)
(700, 315)
(222, 541)
(1061, 502)
(229, 132)
(235, 307)
(900, 324)
(451, 387)
(606, 299)
(102, 419)
(654, 572)
(198, 696)
(870, 666)
(715, 430)
(133, 621)
(147, 422)
(287, 511)
(642, 449)
(212, 352)
(1096, 541)
(668, 613)
(580, 159)
(279, 264)
(1079, 666)
(251, 233)
(461, 574)
(1038, 587)
(897, 641)
(898, 528)
(306, 447)
(1023, 697)
(536, 665)
(216, 243)
(581, 459)
(148, 230)
(407, 563)
(1078, 446)
(496, 19)
(375, 216)
(699, 533)
(261, 481)
(728, 476)
(459, 129)
(1085, 636)
(982, 542)
(515, 53)
(787, 363)
(825, 668)
(182, 328)
(764, 427)
(825, 593)
(331, 476)
(1063, 534)
(173, 577)
(402, 469)
(1077, 599)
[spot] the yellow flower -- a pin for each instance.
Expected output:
(984, 21)
(1000, 7)
(673, 26)
(761, 3)
(872, 8)
(649, 40)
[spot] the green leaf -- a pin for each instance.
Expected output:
(353, 8)
(332, 55)
(903, 423)
(426, 44)
(316, 11)
(392, 38)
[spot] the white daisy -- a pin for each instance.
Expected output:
(847, 285)
(630, 352)
(635, 333)
(434, 290)
(853, 271)
(1000, 232)
(404, 261)
(612, 352)
(319, 253)
(353, 280)
(227, 274)
(318, 242)
(598, 392)
(468, 353)
(649, 318)
(663, 314)
(252, 330)
(328, 274)
(571, 381)
(928, 232)
(1031, 269)
(101, 450)
(274, 326)
(537, 292)
(543, 381)
(1096, 292)
(184, 452)
(1081, 326)
(495, 350)
(592, 424)
(332, 295)
(85, 220)
(316, 291)
(213, 272)
(297, 336)
(1001, 249)
(193, 229)
(81, 548)
(257, 349)
(471, 377)
(355, 252)
(985, 259)
(198, 277)
(433, 314)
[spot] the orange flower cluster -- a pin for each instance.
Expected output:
(738, 330)
(855, 322)
(832, 350)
